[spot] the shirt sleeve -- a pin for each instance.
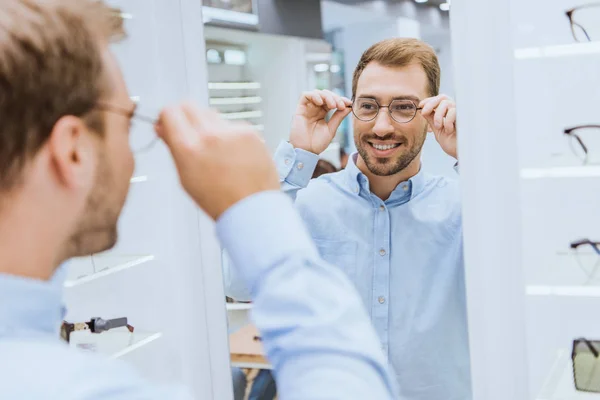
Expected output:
(295, 168)
(314, 328)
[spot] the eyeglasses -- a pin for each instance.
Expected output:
(401, 111)
(588, 268)
(586, 365)
(94, 325)
(584, 22)
(139, 139)
(577, 135)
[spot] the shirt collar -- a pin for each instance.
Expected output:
(30, 305)
(359, 182)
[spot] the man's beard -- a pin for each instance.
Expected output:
(97, 230)
(390, 166)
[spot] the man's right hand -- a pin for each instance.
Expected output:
(220, 163)
(310, 131)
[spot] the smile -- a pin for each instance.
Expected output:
(384, 147)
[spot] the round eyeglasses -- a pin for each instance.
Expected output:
(401, 111)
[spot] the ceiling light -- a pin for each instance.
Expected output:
(420, 1)
(445, 6)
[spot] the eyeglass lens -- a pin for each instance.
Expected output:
(401, 111)
(586, 366)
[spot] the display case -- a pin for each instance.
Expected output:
(161, 274)
(524, 78)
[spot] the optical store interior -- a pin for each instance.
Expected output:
(458, 194)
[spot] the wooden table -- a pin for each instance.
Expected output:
(246, 352)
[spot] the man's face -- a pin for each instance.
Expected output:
(97, 229)
(399, 143)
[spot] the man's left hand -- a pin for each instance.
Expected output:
(440, 113)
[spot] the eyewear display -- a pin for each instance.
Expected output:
(586, 365)
(401, 111)
(579, 136)
(94, 325)
(590, 268)
(584, 22)
(140, 139)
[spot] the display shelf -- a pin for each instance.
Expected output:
(242, 115)
(228, 101)
(238, 306)
(233, 85)
(114, 344)
(588, 171)
(563, 50)
(139, 179)
(568, 291)
(82, 271)
(559, 384)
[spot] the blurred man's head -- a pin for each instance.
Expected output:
(65, 162)
(395, 73)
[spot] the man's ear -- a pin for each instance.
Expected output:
(72, 153)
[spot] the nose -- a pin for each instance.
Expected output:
(383, 123)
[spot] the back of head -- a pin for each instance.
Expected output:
(50, 66)
(400, 52)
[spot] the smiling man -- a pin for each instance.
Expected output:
(395, 230)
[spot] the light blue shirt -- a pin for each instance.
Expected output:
(404, 256)
(314, 328)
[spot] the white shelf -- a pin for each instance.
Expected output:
(228, 101)
(139, 179)
(83, 271)
(567, 291)
(238, 306)
(242, 115)
(233, 85)
(561, 172)
(563, 50)
(114, 343)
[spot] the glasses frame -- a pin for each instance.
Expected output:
(573, 23)
(590, 345)
(94, 325)
(131, 115)
(379, 107)
(585, 268)
(573, 133)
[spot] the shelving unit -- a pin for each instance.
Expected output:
(526, 302)
(161, 273)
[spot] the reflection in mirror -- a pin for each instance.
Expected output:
(370, 159)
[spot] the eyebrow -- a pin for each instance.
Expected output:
(403, 97)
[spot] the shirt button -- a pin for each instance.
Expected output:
(405, 188)
(287, 161)
(382, 208)
(382, 252)
(300, 165)
(381, 299)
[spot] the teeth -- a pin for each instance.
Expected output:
(384, 146)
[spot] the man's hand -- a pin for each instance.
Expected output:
(440, 113)
(219, 162)
(310, 131)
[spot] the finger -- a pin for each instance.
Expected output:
(450, 121)
(429, 105)
(440, 113)
(312, 98)
(347, 101)
(336, 119)
(340, 104)
(175, 129)
(201, 120)
(329, 99)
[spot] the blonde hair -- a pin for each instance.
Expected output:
(51, 65)
(400, 52)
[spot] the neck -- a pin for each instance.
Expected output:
(383, 186)
(28, 241)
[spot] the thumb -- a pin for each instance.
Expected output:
(337, 118)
